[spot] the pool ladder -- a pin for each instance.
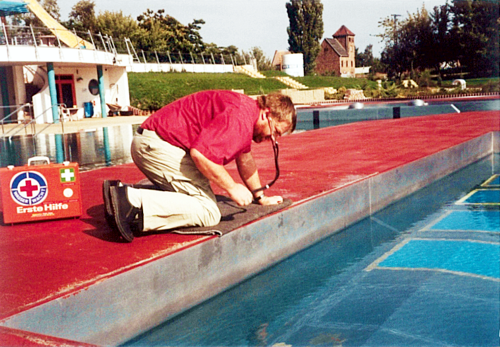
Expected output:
(31, 122)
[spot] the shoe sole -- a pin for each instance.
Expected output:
(106, 197)
(122, 226)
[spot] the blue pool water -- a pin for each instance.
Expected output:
(494, 181)
(475, 220)
(422, 272)
(467, 258)
(482, 197)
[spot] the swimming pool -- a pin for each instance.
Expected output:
(423, 271)
(338, 115)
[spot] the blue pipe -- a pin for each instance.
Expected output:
(102, 96)
(53, 92)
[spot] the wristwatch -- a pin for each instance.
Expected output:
(257, 199)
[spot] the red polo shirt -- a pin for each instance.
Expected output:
(219, 124)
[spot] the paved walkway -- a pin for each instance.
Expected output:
(55, 259)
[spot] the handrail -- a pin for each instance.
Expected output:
(25, 124)
(11, 114)
(33, 120)
(18, 35)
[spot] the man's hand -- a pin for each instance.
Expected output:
(271, 200)
(240, 194)
(218, 175)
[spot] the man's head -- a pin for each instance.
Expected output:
(277, 117)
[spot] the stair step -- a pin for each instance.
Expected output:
(291, 82)
(251, 73)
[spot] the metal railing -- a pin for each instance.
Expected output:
(8, 119)
(176, 57)
(32, 122)
(16, 35)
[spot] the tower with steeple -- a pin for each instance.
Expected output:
(337, 55)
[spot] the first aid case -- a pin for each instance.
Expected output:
(40, 192)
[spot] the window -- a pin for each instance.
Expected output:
(94, 87)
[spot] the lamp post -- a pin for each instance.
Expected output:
(395, 16)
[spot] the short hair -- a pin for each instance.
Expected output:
(280, 107)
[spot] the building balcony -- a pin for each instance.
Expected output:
(23, 45)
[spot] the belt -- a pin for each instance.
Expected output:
(140, 130)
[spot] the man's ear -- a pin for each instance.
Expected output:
(265, 113)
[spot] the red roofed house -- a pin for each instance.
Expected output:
(337, 54)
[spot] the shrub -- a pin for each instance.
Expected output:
(491, 87)
(372, 93)
(389, 89)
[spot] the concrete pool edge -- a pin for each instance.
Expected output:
(120, 307)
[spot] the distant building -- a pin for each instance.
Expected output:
(337, 54)
(291, 63)
(277, 61)
(365, 70)
(85, 79)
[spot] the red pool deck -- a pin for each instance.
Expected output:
(48, 260)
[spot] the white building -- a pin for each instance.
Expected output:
(59, 73)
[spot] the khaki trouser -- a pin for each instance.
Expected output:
(185, 198)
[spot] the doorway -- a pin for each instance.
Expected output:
(65, 86)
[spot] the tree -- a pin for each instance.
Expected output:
(305, 30)
(263, 63)
(442, 47)
(366, 58)
(465, 33)
(116, 25)
(82, 17)
(50, 6)
(160, 32)
(408, 43)
(476, 27)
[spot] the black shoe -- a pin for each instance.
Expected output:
(125, 215)
(106, 197)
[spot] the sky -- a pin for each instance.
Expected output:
(263, 23)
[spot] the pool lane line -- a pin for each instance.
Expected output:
(463, 201)
(384, 224)
(455, 108)
(430, 226)
(375, 265)
(452, 272)
(387, 254)
(442, 216)
(486, 184)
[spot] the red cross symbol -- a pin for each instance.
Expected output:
(28, 188)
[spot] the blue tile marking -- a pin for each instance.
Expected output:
(493, 181)
(466, 257)
(482, 196)
(480, 220)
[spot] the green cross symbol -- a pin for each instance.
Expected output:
(67, 175)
